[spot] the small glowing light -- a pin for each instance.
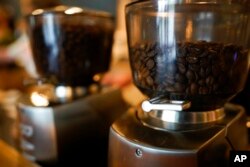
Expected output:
(37, 12)
(39, 99)
(169, 116)
(248, 124)
(97, 77)
(73, 10)
(63, 92)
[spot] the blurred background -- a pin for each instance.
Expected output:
(16, 63)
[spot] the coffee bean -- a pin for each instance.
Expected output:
(182, 68)
(203, 90)
(189, 70)
(209, 80)
(180, 78)
(150, 64)
(194, 88)
(179, 87)
(181, 60)
(196, 50)
(208, 70)
(169, 88)
(192, 59)
(149, 80)
(190, 75)
(202, 73)
(194, 67)
(202, 82)
(204, 54)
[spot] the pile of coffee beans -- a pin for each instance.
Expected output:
(197, 71)
(71, 54)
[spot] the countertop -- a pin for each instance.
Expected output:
(10, 157)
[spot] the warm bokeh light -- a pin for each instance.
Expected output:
(39, 100)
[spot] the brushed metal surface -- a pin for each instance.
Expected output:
(167, 119)
(38, 133)
(132, 144)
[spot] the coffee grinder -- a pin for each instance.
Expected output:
(66, 114)
(189, 58)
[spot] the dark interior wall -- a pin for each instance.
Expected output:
(13, 4)
(106, 5)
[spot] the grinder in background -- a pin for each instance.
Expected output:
(66, 113)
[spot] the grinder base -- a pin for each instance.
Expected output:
(131, 144)
(70, 134)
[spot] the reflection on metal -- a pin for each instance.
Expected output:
(161, 113)
(37, 12)
(39, 100)
(166, 119)
(64, 93)
(73, 10)
(162, 104)
(46, 94)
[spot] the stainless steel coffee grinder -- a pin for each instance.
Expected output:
(66, 114)
(189, 58)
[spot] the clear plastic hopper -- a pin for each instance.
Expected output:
(194, 51)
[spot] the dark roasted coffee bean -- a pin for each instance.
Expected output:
(146, 73)
(150, 64)
(204, 54)
(187, 91)
(203, 90)
(196, 50)
(202, 82)
(137, 65)
(202, 73)
(192, 59)
(149, 80)
(194, 67)
(182, 68)
(170, 88)
(179, 87)
(181, 60)
(190, 75)
(151, 54)
(194, 88)
(209, 80)
(208, 70)
(180, 78)
(143, 83)
(212, 53)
